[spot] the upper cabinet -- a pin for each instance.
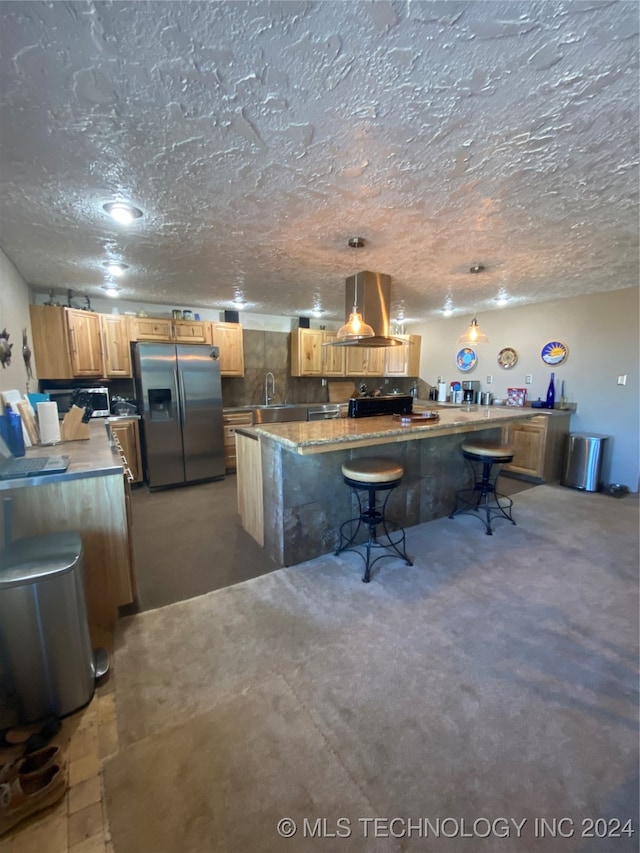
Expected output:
(67, 342)
(306, 352)
(172, 331)
(365, 361)
(228, 338)
(333, 358)
(115, 345)
(313, 355)
(191, 332)
(85, 342)
(405, 360)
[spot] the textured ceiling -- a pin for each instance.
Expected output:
(258, 136)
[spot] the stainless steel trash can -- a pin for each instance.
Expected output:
(583, 461)
(43, 626)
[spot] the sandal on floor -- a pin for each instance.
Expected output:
(29, 765)
(31, 738)
(25, 796)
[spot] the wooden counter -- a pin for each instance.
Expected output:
(90, 498)
(291, 494)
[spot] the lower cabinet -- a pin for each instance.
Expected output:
(230, 421)
(127, 436)
(538, 447)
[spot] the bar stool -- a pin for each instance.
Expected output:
(485, 460)
(367, 477)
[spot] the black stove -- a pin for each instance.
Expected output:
(368, 407)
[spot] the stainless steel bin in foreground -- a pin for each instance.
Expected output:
(43, 626)
(583, 461)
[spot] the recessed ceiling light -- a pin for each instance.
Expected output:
(116, 268)
(502, 299)
(447, 312)
(122, 212)
(111, 290)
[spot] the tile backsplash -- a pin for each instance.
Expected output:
(270, 351)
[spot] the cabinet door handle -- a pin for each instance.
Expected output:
(72, 332)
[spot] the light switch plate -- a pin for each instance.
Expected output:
(622, 380)
(489, 380)
(528, 379)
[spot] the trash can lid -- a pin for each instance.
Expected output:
(29, 560)
(594, 435)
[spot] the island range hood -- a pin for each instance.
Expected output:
(371, 292)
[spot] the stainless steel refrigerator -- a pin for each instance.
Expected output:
(179, 393)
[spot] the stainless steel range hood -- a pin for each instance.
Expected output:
(374, 303)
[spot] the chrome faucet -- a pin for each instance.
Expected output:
(267, 398)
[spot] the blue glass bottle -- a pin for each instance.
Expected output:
(551, 393)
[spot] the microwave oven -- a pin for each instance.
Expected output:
(99, 399)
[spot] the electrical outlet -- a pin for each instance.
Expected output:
(489, 380)
(622, 380)
(528, 379)
(324, 383)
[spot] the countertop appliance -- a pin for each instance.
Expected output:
(64, 398)
(392, 404)
(179, 392)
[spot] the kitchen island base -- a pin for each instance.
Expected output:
(301, 502)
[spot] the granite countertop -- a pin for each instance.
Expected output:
(92, 457)
(306, 437)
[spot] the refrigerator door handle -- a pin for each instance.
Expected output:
(182, 411)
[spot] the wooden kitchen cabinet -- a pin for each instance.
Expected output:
(405, 360)
(538, 447)
(67, 342)
(115, 345)
(333, 358)
(365, 361)
(151, 329)
(191, 332)
(127, 433)
(228, 338)
(231, 421)
(306, 352)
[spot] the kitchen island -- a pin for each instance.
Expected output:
(291, 495)
(90, 497)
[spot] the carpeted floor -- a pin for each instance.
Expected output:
(494, 681)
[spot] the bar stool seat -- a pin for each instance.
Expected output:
(367, 477)
(486, 459)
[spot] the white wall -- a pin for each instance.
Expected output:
(601, 333)
(14, 316)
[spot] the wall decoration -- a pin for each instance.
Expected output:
(555, 352)
(5, 348)
(26, 354)
(507, 358)
(516, 396)
(466, 359)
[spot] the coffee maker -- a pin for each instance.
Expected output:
(471, 392)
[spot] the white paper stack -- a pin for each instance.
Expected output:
(49, 423)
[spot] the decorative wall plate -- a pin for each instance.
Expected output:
(507, 358)
(554, 352)
(466, 359)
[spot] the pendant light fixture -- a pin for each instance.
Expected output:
(474, 334)
(355, 329)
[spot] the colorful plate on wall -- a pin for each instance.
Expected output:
(466, 359)
(554, 352)
(507, 358)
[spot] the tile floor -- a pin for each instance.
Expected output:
(77, 823)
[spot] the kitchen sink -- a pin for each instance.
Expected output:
(275, 414)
